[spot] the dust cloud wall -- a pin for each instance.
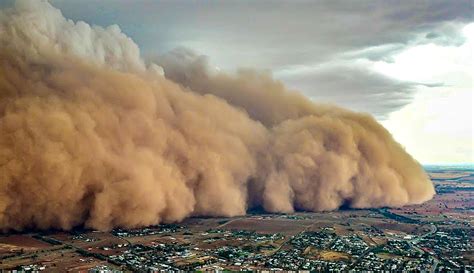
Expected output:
(93, 135)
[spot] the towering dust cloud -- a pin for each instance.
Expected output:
(91, 134)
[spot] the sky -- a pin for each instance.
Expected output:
(409, 63)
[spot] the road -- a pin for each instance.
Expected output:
(290, 238)
(416, 239)
(228, 222)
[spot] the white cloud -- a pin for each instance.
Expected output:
(433, 63)
(437, 127)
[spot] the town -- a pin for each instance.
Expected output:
(435, 236)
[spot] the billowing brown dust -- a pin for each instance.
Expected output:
(92, 134)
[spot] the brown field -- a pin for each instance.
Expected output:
(56, 259)
(23, 241)
(218, 244)
(268, 226)
(326, 255)
(19, 243)
(449, 174)
(457, 204)
(387, 256)
(396, 227)
(333, 256)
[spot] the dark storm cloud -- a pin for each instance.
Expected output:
(352, 86)
(270, 34)
(276, 35)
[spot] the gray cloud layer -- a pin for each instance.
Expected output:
(270, 34)
(280, 35)
(352, 86)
